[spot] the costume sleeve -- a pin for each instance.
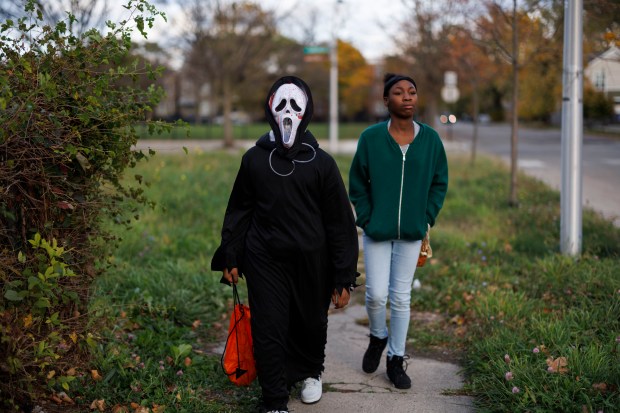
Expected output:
(340, 229)
(236, 222)
(439, 186)
(359, 184)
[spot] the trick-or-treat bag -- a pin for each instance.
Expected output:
(238, 359)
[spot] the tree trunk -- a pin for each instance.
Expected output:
(197, 103)
(476, 110)
(513, 199)
(227, 102)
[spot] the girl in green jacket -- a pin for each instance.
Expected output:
(397, 183)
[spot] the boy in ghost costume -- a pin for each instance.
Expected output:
(289, 229)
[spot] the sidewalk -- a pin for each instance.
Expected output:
(347, 389)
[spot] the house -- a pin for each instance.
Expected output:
(604, 73)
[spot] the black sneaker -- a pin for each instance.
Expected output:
(396, 373)
(372, 356)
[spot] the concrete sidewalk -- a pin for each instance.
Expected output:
(347, 389)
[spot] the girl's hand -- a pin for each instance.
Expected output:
(340, 300)
(231, 276)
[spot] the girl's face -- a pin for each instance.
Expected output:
(402, 100)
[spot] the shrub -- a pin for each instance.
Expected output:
(67, 105)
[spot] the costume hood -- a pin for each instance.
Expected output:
(282, 150)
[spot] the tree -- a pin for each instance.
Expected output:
(423, 45)
(231, 45)
(354, 81)
(68, 107)
(87, 13)
(505, 30)
(474, 67)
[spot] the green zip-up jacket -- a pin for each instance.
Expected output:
(395, 195)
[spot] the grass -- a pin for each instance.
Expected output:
(503, 289)
(251, 131)
(496, 286)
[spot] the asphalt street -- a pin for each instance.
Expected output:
(539, 155)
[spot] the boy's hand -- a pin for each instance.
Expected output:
(340, 300)
(231, 276)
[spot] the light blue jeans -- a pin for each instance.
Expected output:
(390, 266)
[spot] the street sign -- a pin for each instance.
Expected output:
(450, 94)
(449, 78)
(316, 50)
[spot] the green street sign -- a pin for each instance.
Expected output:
(316, 50)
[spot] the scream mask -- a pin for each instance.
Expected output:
(288, 105)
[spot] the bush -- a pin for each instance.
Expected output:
(67, 105)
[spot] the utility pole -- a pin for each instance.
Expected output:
(572, 131)
(333, 83)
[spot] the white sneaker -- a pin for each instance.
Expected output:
(311, 390)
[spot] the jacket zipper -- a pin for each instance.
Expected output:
(400, 201)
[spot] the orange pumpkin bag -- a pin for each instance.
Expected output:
(238, 359)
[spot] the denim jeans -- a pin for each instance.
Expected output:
(390, 266)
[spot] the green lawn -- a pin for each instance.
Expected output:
(251, 131)
(496, 282)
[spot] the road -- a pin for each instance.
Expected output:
(540, 156)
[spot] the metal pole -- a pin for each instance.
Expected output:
(572, 131)
(333, 85)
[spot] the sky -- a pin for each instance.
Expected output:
(363, 23)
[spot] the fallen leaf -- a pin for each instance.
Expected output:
(65, 398)
(179, 396)
(196, 324)
(467, 297)
(95, 375)
(158, 408)
(98, 405)
(187, 361)
(71, 372)
(123, 314)
(134, 405)
(507, 248)
(460, 331)
(602, 387)
(73, 336)
(458, 320)
(558, 365)
(142, 409)
(28, 321)
(56, 399)
(120, 409)
(51, 374)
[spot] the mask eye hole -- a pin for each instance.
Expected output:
(281, 105)
(295, 106)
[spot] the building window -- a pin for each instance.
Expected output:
(599, 80)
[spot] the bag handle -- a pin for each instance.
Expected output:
(236, 301)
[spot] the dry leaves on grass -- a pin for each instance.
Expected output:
(558, 365)
(95, 375)
(98, 405)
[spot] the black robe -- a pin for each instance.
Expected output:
(289, 229)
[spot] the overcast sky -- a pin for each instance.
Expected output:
(367, 24)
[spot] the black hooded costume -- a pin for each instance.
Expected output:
(289, 228)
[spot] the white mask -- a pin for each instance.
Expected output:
(288, 106)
